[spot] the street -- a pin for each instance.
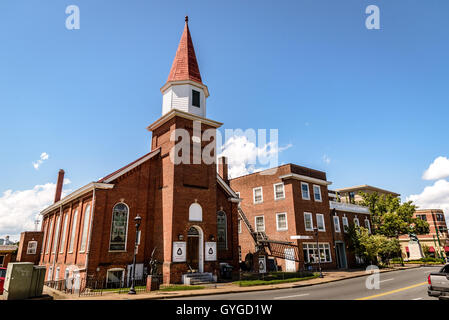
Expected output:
(408, 284)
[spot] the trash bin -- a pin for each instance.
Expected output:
(225, 271)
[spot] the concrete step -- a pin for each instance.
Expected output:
(198, 278)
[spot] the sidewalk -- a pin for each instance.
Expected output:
(222, 288)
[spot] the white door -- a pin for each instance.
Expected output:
(290, 265)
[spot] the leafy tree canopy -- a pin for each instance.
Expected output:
(391, 218)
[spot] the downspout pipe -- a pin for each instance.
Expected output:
(90, 231)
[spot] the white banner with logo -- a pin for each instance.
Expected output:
(179, 251)
(211, 251)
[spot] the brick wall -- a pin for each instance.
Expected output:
(22, 253)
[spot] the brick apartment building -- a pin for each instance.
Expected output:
(437, 240)
(286, 203)
(189, 213)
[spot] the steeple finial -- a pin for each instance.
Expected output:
(185, 65)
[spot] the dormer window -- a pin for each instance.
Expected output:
(196, 98)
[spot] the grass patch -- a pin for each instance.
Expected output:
(181, 288)
(248, 283)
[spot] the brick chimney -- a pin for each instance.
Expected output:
(59, 185)
(223, 168)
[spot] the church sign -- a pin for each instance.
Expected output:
(211, 251)
(179, 251)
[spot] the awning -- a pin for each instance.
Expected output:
(431, 249)
(406, 249)
(446, 248)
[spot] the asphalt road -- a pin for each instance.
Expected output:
(408, 284)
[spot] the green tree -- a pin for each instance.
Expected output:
(392, 218)
(372, 247)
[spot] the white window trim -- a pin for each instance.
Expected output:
(369, 224)
(127, 229)
(358, 222)
(324, 223)
(34, 242)
(254, 195)
(283, 191)
(311, 221)
(240, 226)
(319, 188)
(336, 218)
(87, 228)
(277, 221)
(308, 191)
(64, 231)
(255, 223)
(115, 269)
(72, 227)
(343, 219)
(313, 244)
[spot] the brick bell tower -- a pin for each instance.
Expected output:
(185, 206)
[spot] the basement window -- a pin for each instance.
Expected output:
(195, 98)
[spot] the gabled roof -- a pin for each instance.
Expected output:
(233, 197)
(129, 167)
(185, 66)
(103, 183)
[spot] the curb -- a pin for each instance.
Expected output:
(262, 288)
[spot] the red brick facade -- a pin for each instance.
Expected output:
(30, 246)
(170, 198)
(295, 207)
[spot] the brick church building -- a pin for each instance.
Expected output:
(188, 210)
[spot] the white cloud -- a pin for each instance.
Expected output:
(44, 156)
(433, 197)
(437, 170)
(244, 156)
(326, 159)
(19, 209)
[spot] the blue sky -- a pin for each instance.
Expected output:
(373, 101)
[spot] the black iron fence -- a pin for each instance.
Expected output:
(97, 287)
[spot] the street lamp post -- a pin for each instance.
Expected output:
(137, 220)
(318, 251)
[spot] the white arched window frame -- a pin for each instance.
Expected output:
(119, 227)
(222, 230)
(85, 230)
(73, 231)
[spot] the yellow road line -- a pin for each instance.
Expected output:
(393, 291)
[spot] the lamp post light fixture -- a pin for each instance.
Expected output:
(137, 220)
(318, 251)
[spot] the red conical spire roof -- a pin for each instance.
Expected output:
(185, 66)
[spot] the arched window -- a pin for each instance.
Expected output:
(119, 227)
(222, 242)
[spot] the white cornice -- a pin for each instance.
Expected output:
(134, 165)
(185, 115)
(305, 178)
(181, 82)
(348, 207)
(234, 197)
(87, 188)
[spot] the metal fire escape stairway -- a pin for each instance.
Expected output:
(273, 248)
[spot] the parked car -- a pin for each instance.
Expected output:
(2, 279)
(439, 283)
